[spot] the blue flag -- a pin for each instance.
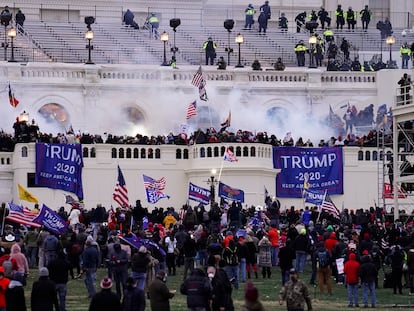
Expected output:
(59, 166)
(314, 196)
(51, 220)
(153, 189)
(230, 193)
(198, 194)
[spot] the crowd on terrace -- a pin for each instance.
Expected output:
(26, 133)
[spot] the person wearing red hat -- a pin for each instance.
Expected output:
(251, 298)
(105, 299)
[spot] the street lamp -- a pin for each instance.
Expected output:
(239, 40)
(228, 25)
(390, 41)
(11, 33)
(89, 37)
(312, 42)
(164, 39)
(212, 181)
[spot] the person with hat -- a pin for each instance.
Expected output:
(134, 297)
(105, 299)
(295, 293)
(4, 283)
(209, 47)
(15, 299)
(159, 293)
(43, 296)
(249, 12)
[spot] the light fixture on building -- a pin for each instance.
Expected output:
(164, 39)
(24, 116)
(239, 40)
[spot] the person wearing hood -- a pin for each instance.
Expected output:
(351, 271)
(43, 296)
(198, 290)
(264, 257)
(15, 299)
(251, 298)
(21, 261)
(368, 273)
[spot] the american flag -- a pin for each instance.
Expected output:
(191, 110)
(22, 215)
(329, 207)
(198, 79)
(154, 185)
(120, 194)
(230, 156)
(13, 100)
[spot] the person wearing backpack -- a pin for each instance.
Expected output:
(50, 247)
(231, 257)
(323, 258)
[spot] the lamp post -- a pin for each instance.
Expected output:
(239, 40)
(164, 39)
(11, 33)
(89, 37)
(228, 25)
(24, 116)
(312, 42)
(390, 41)
(212, 182)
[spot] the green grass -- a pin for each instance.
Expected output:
(268, 293)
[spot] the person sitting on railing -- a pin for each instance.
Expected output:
(20, 18)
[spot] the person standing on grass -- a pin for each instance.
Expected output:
(105, 299)
(295, 293)
(58, 272)
(43, 296)
(368, 273)
(134, 297)
(15, 299)
(90, 261)
(351, 271)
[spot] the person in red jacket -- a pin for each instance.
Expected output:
(273, 236)
(4, 283)
(351, 270)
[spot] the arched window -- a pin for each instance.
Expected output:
(136, 153)
(150, 153)
(245, 151)
(178, 154)
(128, 153)
(143, 153)
(85, 152)
(374, 155)
(158, 153)
(367, 156)
(186, 154)
(121, 153)
(24, 152)
(238, 151)
(114, 153)
(202, 152)
(93, 152)
(360, 155)
(209, 152)
(216, 152)
(252, 151)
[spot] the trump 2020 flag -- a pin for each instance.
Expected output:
(198, 194)
(59, 166)
(153, 189)
(51, 220)
(230, 193)
(314, 196)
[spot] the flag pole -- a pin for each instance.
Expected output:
(320, 207)
(3, 220)
(221, 168)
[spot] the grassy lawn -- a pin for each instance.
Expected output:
(268, 293)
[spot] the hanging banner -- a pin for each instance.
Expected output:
(59, 166)
(321, 168)
(230, 193)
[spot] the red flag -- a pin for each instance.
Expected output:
(13, 100)
(191, 110)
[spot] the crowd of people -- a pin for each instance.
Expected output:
(219, 249)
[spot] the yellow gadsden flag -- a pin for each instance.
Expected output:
(25, 195)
